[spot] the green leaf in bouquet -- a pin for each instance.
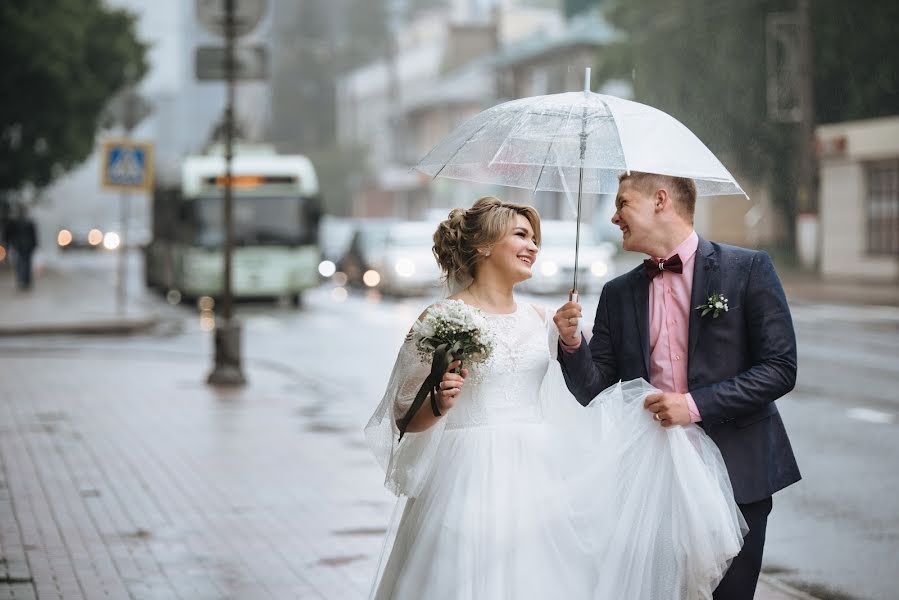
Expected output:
(428, 388)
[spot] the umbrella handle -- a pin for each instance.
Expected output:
(572, 296)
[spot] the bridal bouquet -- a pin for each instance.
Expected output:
(449, 331)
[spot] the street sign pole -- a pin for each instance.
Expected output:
(227, 369)
(122, 271)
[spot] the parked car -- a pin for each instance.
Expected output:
(553, 271)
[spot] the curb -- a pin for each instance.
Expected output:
(784, 588)
(102, 327)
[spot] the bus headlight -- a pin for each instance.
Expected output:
(549, 268)
(404, 267)
(64, 238)
(599, 268)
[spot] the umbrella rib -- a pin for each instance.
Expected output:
(549, 149)
(617, 131)
(462, 145)
(525, 117)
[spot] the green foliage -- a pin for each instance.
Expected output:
(856, 64)
(704, 62)
(573, 7)
(63, 60)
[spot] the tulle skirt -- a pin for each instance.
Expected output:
(595, 503)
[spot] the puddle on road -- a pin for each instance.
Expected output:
(339, 561)
(361, 531)
(325, 428)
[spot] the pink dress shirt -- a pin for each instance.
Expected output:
(669, 325)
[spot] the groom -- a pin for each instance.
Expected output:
(722, 370)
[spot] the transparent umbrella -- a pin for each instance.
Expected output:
(575, 140)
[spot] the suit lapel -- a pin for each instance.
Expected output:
(640, 289)
(705, 278)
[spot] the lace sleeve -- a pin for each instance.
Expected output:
(406, 464)
(552, 332)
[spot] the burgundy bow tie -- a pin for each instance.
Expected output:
(654, 267)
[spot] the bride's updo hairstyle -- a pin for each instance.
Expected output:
(464, 232)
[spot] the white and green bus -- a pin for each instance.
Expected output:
(276, 215)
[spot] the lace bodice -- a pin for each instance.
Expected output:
(505, 389)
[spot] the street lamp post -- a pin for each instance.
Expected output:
(227, 369)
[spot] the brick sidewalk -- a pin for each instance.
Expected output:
(131, 479)
(73, 301)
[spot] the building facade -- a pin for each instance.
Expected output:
(859, 200)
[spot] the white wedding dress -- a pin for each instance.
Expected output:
(520, 493)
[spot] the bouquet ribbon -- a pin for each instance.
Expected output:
(443, 356)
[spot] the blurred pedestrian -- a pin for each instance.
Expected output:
(20, 234)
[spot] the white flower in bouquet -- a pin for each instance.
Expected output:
(460, 326)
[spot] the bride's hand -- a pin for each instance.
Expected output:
(451, 386)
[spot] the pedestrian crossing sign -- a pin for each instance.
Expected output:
(127, 165)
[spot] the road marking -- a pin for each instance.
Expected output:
(870, 416)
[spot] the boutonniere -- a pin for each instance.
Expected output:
(715, 304)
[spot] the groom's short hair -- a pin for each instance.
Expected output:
(681, 189)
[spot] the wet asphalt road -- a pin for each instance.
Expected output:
(835, 534)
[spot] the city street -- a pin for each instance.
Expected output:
(124, 474)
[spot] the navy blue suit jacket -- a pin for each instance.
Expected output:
(738, 364)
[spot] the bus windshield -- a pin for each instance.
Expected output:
(258, 221)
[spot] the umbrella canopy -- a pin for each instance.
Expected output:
(558, 141)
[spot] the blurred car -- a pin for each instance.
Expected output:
(366, 247)
(407, 265)
(137, 236)
(334, 236)
(553, 271)
(80, 236)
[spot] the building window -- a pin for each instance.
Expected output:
(883, 207)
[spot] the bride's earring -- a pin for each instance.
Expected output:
(487, 253)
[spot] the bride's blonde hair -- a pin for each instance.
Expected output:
(464, 232)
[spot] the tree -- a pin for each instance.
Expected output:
(63, 60)
(856, 74)
(704, 62)
(573, 7)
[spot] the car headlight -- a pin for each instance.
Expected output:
(549, 268)
(404, 267)
(111, 240)
(371, 278)
(327, 268)
(599, 268)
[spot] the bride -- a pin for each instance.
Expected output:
(517, 491)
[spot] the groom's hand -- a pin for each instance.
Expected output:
(668, 408)
(566, 320)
